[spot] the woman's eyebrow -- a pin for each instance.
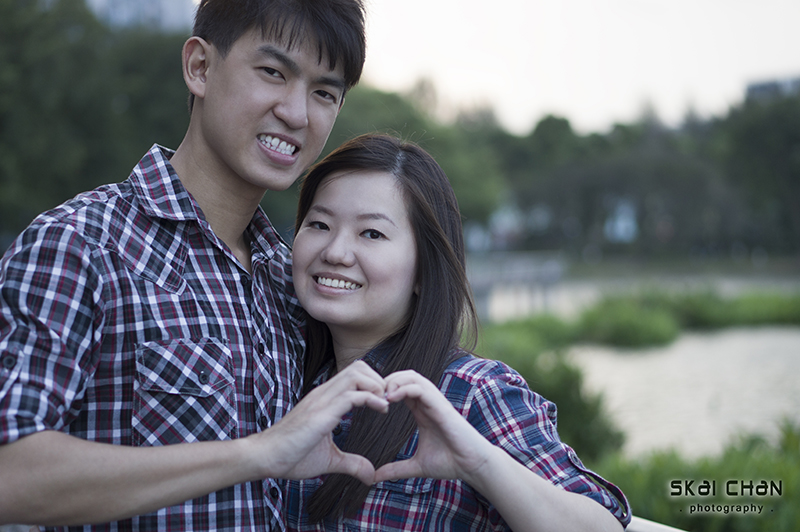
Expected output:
(375, 216)
(365, 216)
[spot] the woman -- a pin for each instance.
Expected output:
(378, 264)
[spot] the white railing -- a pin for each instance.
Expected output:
(643, 525)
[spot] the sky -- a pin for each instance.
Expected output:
(594, 62)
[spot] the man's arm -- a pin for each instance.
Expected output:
(52, 478)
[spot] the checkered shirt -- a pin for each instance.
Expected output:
(498, 403)
(125, 320)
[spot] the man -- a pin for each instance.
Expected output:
(150, 341)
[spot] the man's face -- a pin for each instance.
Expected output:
(267, 111)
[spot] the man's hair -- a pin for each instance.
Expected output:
(442, 313)
(336, 27)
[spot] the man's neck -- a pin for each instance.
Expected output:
(228, 209)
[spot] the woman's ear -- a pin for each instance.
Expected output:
(196, 53)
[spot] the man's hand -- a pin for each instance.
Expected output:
(301, 446)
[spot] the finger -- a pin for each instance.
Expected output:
(360, 376)
(356, 466)
(401, 378)
(396, 470)
(405, 391)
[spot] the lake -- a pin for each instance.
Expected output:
(700, 392)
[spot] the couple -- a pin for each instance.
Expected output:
(143, 316)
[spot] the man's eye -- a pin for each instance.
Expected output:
(328, 96)
(272, 72)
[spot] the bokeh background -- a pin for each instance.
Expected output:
(628, 173)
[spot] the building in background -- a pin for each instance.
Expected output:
(769, 90)
(173, 15)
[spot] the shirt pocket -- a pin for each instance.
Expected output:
(396, 505)
(184, 392)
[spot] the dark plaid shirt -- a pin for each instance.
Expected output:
(496, 401)
(125, 320)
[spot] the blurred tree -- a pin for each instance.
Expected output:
(52, 109)
(79, 104)
(149, 100)
(762, 153)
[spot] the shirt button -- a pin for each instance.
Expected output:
(9, 361)
(203, 377)
(273, 492)
(337, 430)
(263, 422)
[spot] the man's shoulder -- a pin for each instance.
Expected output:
(92, 213)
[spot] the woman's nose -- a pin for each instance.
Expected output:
(339, 250)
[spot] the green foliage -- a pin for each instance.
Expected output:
(79, 104)
(761, 153)
(534, 348)
(628, 323)
(653, 318)
(646, 482)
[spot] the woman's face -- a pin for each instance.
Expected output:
(354, 257)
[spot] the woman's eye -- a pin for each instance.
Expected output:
(372, 234)
(318, 225)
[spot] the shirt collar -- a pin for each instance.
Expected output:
(159, 188)
(162, 195)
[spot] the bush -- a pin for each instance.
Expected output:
(646, 482)
(656, 318)
(628, 323)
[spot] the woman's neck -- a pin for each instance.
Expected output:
(348, 348)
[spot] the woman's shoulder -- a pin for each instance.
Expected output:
(471, 382)
(475, 370)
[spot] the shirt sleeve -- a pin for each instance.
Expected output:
(522, 422)
(50, 318)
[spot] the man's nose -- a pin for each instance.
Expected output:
(292, 108)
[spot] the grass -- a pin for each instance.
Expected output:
(648, 485)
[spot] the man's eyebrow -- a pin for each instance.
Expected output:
(282, 57)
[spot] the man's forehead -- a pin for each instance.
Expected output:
(307, 47)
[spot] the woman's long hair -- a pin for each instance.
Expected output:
(443, 312)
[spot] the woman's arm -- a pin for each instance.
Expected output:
(449, 447)
(52, 478)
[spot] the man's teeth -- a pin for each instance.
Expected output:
(338, 283)
(281, 146)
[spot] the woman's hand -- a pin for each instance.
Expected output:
(448, 448)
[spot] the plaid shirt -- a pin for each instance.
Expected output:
(125, 320)
(498, 403)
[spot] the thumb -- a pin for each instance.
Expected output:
(395, 470)
(356, 466)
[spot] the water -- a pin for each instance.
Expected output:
(695, 395)
(699, 393)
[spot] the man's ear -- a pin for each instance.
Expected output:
(341, 104)
(196, 54)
